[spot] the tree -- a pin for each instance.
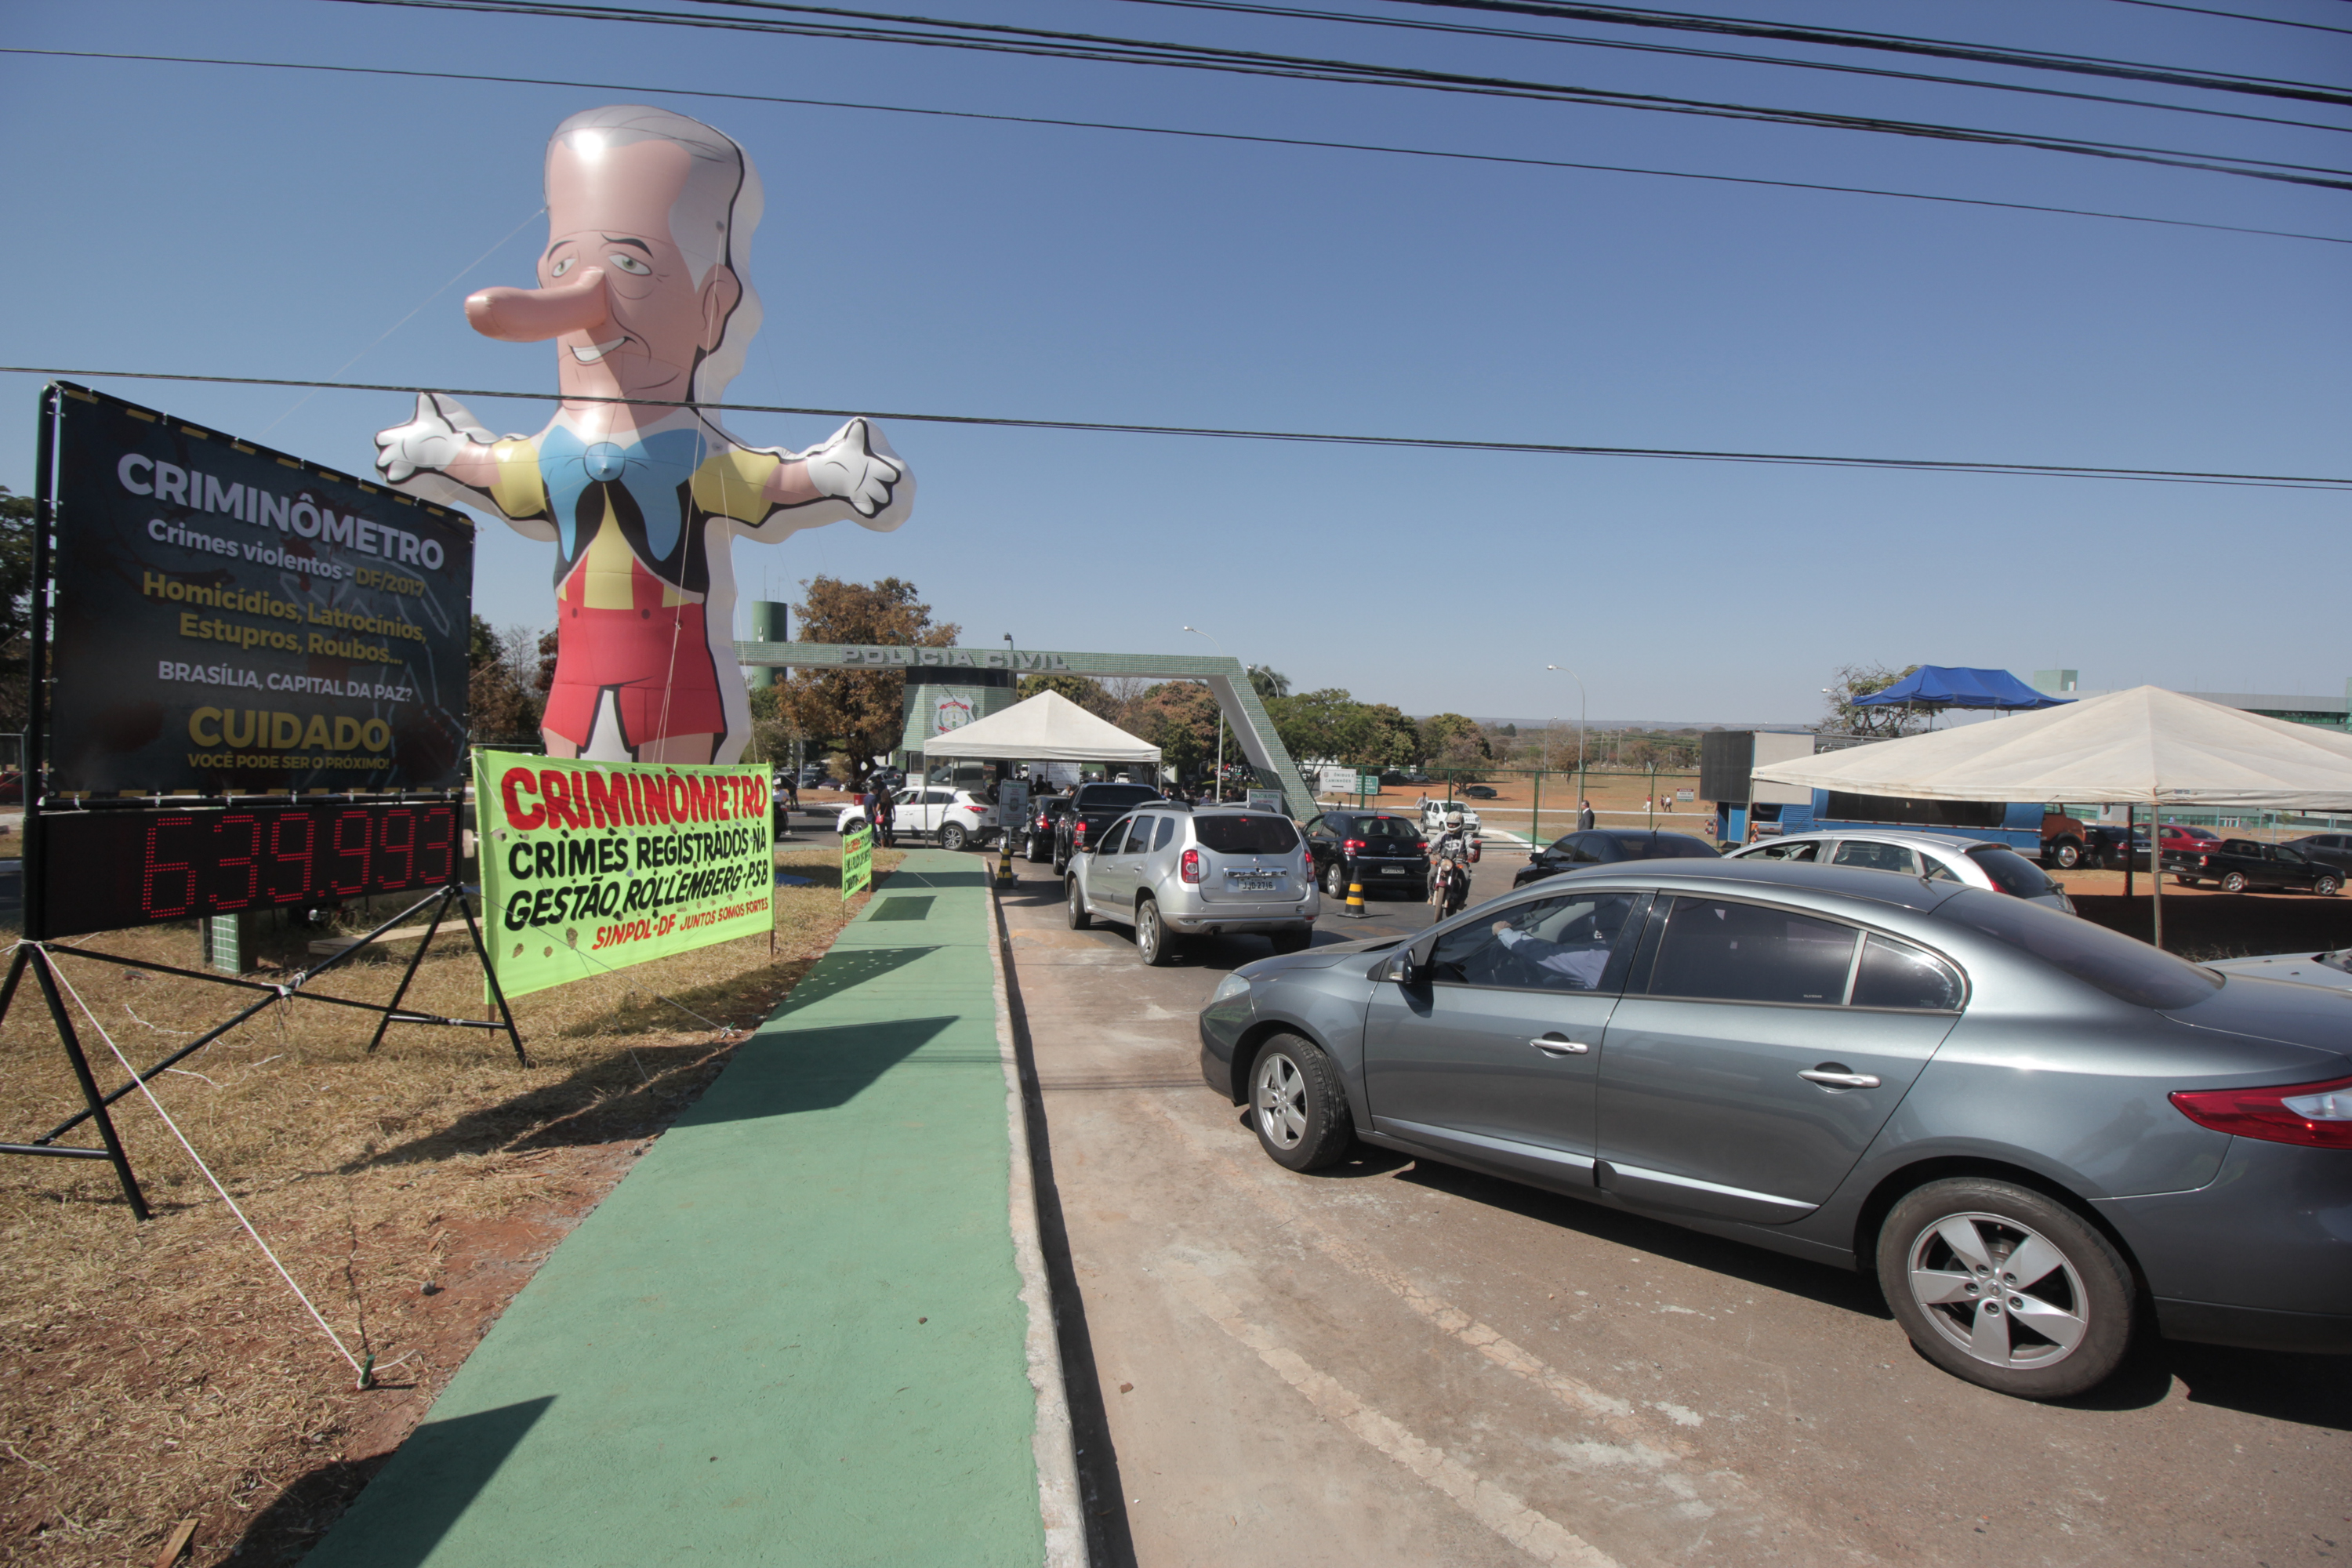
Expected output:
(1444, 735)
(859, 708)
(1180, 717)
(15, 608)
(1391, 739)
(1270, 684)
(1512, 730)
(1082, 690)
(1878, 723)
(505, 685)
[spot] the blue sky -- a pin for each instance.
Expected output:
(241, 222)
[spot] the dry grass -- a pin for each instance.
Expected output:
(150, 1373)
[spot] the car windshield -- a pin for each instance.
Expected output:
(2013, 873)
(2126, 969)
(1253, 835)
(1100, 797)
(1387, 827)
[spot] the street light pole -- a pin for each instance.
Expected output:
(1218, 794)
(1580, 728)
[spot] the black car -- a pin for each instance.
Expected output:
(1387, 851)
(1037, 839)
(2102, 846)
(1090, 810)
(1607, 847)
(2328, 849)
(2237, 864)
(1479, 791)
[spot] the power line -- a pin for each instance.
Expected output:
(1896, 43)
(2236, 15)
(988, 37)
(1197, 135)
(1680, 51)
(1423, 443)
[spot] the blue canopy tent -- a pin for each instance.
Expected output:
(1936, 687)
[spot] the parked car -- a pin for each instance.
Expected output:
(1433, 817)
(2102, 846)
(960, 818)
(2331, 970)
(1174, 872)
(2237, 864)
(1386, 850)
(1938, 856)
(2173, 838)
(1607, 847)
(1038, 839)
(1479, 791)
(1091, 809)
(2330, 849)
(2033, 828)
(2092, 1132)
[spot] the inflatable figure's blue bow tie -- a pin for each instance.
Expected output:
(656, 470)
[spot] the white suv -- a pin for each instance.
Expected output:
(1222, 871)
(959, 816)
(1936, 856)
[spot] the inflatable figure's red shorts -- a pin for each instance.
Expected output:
(655, 660)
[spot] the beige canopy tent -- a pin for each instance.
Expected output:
(2146, 746)
(1047, 728)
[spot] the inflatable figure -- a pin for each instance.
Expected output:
(642, 287)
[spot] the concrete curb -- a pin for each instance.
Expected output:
(1058, 1466)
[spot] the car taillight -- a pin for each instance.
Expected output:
(1078, 834)
(1421, 845)
(2316, 1115)
(1189, 868)
(1351, 846)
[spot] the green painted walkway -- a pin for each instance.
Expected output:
(728, 1362)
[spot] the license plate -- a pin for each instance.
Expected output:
(1391, 870)
(1267, 884)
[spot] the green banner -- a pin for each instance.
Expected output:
(590, 867)
(856, 861)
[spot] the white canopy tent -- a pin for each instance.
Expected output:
(2144, 746)
(1046, 728)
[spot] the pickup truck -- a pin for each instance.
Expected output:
(2237, 864)
(1091, 811)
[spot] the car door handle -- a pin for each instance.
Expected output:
(1840, 1080)
(1553, 1045)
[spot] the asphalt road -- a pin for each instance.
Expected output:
(1403, 1363)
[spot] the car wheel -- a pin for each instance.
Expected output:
(1293, 940)
(951, 835)
(1079, 919)
(2235, 882)
(2067, 854)
(2326, 886)
(1296, 1105)
(1335, 881)
(1061, 862)
(1152, 942)
(2006, 1288)
(1033, 852)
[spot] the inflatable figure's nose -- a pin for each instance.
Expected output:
(534, 315)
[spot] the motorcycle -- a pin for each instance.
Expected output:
(1450, 859)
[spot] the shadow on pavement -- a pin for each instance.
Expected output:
(437, 1473)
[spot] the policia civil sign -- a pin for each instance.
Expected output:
(589, 867)
(230, 620)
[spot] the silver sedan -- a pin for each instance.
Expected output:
(2037, 1133)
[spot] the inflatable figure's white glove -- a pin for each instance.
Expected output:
(428, 443)
(858, 467)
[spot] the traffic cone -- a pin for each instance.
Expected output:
(1355, 909)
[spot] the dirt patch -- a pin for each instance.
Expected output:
(2207, 924)
(152, 1372)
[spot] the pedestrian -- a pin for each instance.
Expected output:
(1584, 816)
(885, 816)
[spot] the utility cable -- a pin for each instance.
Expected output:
(1425, 443)
(2236, 15)
(1683, 51)
(1172, 131)
(1903, 44)
(363, 1369)
(990, 39)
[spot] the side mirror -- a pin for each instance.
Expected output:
(1400, 968)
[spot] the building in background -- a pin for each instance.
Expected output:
(2328, 712)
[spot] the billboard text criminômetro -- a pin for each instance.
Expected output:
(230, 620)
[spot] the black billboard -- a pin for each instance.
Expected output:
(233, 621)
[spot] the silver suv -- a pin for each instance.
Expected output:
(1174, 873)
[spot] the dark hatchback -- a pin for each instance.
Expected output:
(1610, 846)
(1388, 851)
